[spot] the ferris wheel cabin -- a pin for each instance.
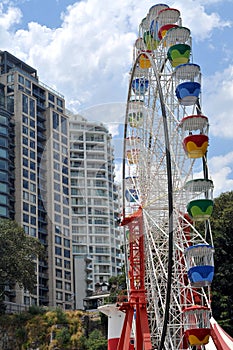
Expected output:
(200, 207)
(200, 264)
(197, 325)
(135, 115)
(140, 85)
(188, 89)
(196, 143)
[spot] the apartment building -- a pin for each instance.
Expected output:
(34, 174)
(95, 201)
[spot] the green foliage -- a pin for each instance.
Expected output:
(222, 286)
(36, 310)
(43, 331)
(17, 254)
(62, 336)
(96, 341)
(117, 287)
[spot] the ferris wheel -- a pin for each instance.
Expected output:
(167, 192)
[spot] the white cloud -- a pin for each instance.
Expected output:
(87, 58)
(222, 173)
(198, 20)
(218, 90)
(9, 17)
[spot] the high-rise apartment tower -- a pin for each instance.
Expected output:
(95, 210)
(34, 174)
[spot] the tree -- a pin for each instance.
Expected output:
(17, 254)
(222, 286)
(117, 286)
(96, 341)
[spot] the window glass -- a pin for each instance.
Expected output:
(3, 211)
(3, 119)
(55, 120)
(3, 130)
(58, 251)
(32, 108)
(3, 199)
(25, 103)
(3, 153)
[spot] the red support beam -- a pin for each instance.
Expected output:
(137, 295)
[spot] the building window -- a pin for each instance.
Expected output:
(25, 140)
(67, 264)
(56, 156)
(55, 120)
(32, 176)
(59, 102)
(67, 286)
(57, 197)
(64, 140)
(32, 123)
(33, 221)
(58, 240)
(66, 221)
(59, 273)
(59, 295)
(56, 146)
(32, 165)
(32, 155)
(25, 162)
(32, 108)
(3, 119)
(3, 176)
(3, 187)
(25, 119)
(33, 231)
(25, 206)
(3, 153)
(32, 198)
(32, 144)
(33, 209)
(25, 103)
(56, 186)
(3, 130)
(66, 242)
(66, 253)
(28, 83)
(26, 218)
(67, 275)
(56, 166)
(58, 262)
(58, 284)
(32, 133)
(3, 142)
(66, 232)
(3, 211)
(10, 78)
(56, 176)
(25, 184)
(51, 97)
(3, 199)
(58, 251)
(21, 79)
(25, 151)
(25, 130)
(57, 218)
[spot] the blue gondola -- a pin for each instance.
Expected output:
(200, 264)
(140, 86)
(131, 195)
(188, 92)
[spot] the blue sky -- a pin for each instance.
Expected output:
(83, 49)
